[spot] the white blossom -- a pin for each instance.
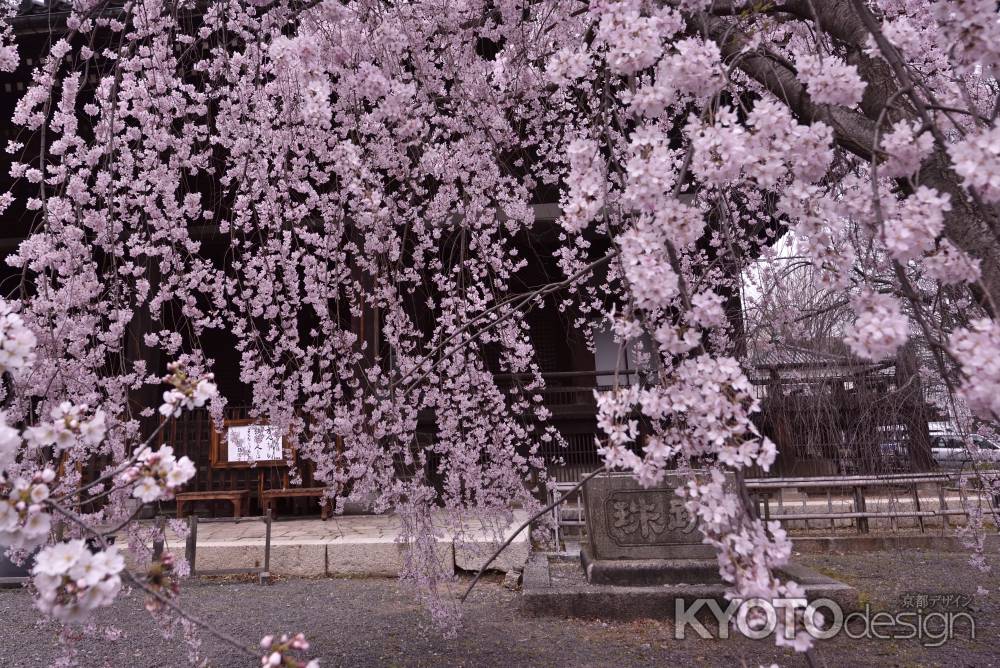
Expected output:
(71, 581)
(24, 524)
(17, 342)
(156, 475)
(10, 443)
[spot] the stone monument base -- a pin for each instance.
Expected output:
(559, 588)
(648, 572)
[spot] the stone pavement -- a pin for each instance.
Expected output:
(357, 545)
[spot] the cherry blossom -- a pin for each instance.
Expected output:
(71, 581)
(17, 341)
(951, 266)
(634, 40)
(977, 161)
(157, 475)
(70, 425)
(10, 443)
(978, 349)
(585, 194)
(706, 310)
(915, 224)
(695, 69)
(829, 80)
(162, 579)
(879, 329)
(906, 148)
(9, 59)
(24, 522)
(971, 26)
(188, 393)
(644, 258)
(275, 173)
(566, 65)
(283, 651)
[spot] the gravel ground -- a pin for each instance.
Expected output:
(375, 622)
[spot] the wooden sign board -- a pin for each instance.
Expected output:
(245, 443)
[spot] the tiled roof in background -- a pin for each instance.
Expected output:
(790, 361)
(45, 16)
(35, 7)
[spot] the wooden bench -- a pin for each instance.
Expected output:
(239, 498)
(268, 497)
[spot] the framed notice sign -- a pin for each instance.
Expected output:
(244, 443)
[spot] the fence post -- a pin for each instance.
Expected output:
(158, 540)
(265, 576)
(551, 496)
(944, 506)
(829, 509)
(916, 505)
(859, 507)
(192, 541)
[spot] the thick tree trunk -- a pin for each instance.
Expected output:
(913, 409)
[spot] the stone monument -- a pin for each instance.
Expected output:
(642, 536)
(643, 553)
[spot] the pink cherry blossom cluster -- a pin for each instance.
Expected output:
(650, 169)
(10, 444)
(567, 66)
(302, 77)
(386, 168)
(633, 37)
(645, 266)
(977, 161)
(972, 30)
(188, 392)
(70, 425)
(705, 413)
(749, 551)
(773, 148)
(584, 197)
(24, 522)
(69, 579)
(951, 266)
(973, 535)
(72, 581)
(285, 652)
(681, 223)
(906, 147)
(694, 69)
(691, 70)
(880, 327)
(9, 59)
(913, 224)
(905, 35)
(157, 475)
(829, 79)
(977, 347)
(17, 342)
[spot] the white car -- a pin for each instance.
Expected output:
(951, 451)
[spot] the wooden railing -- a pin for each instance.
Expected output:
(855, 488)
